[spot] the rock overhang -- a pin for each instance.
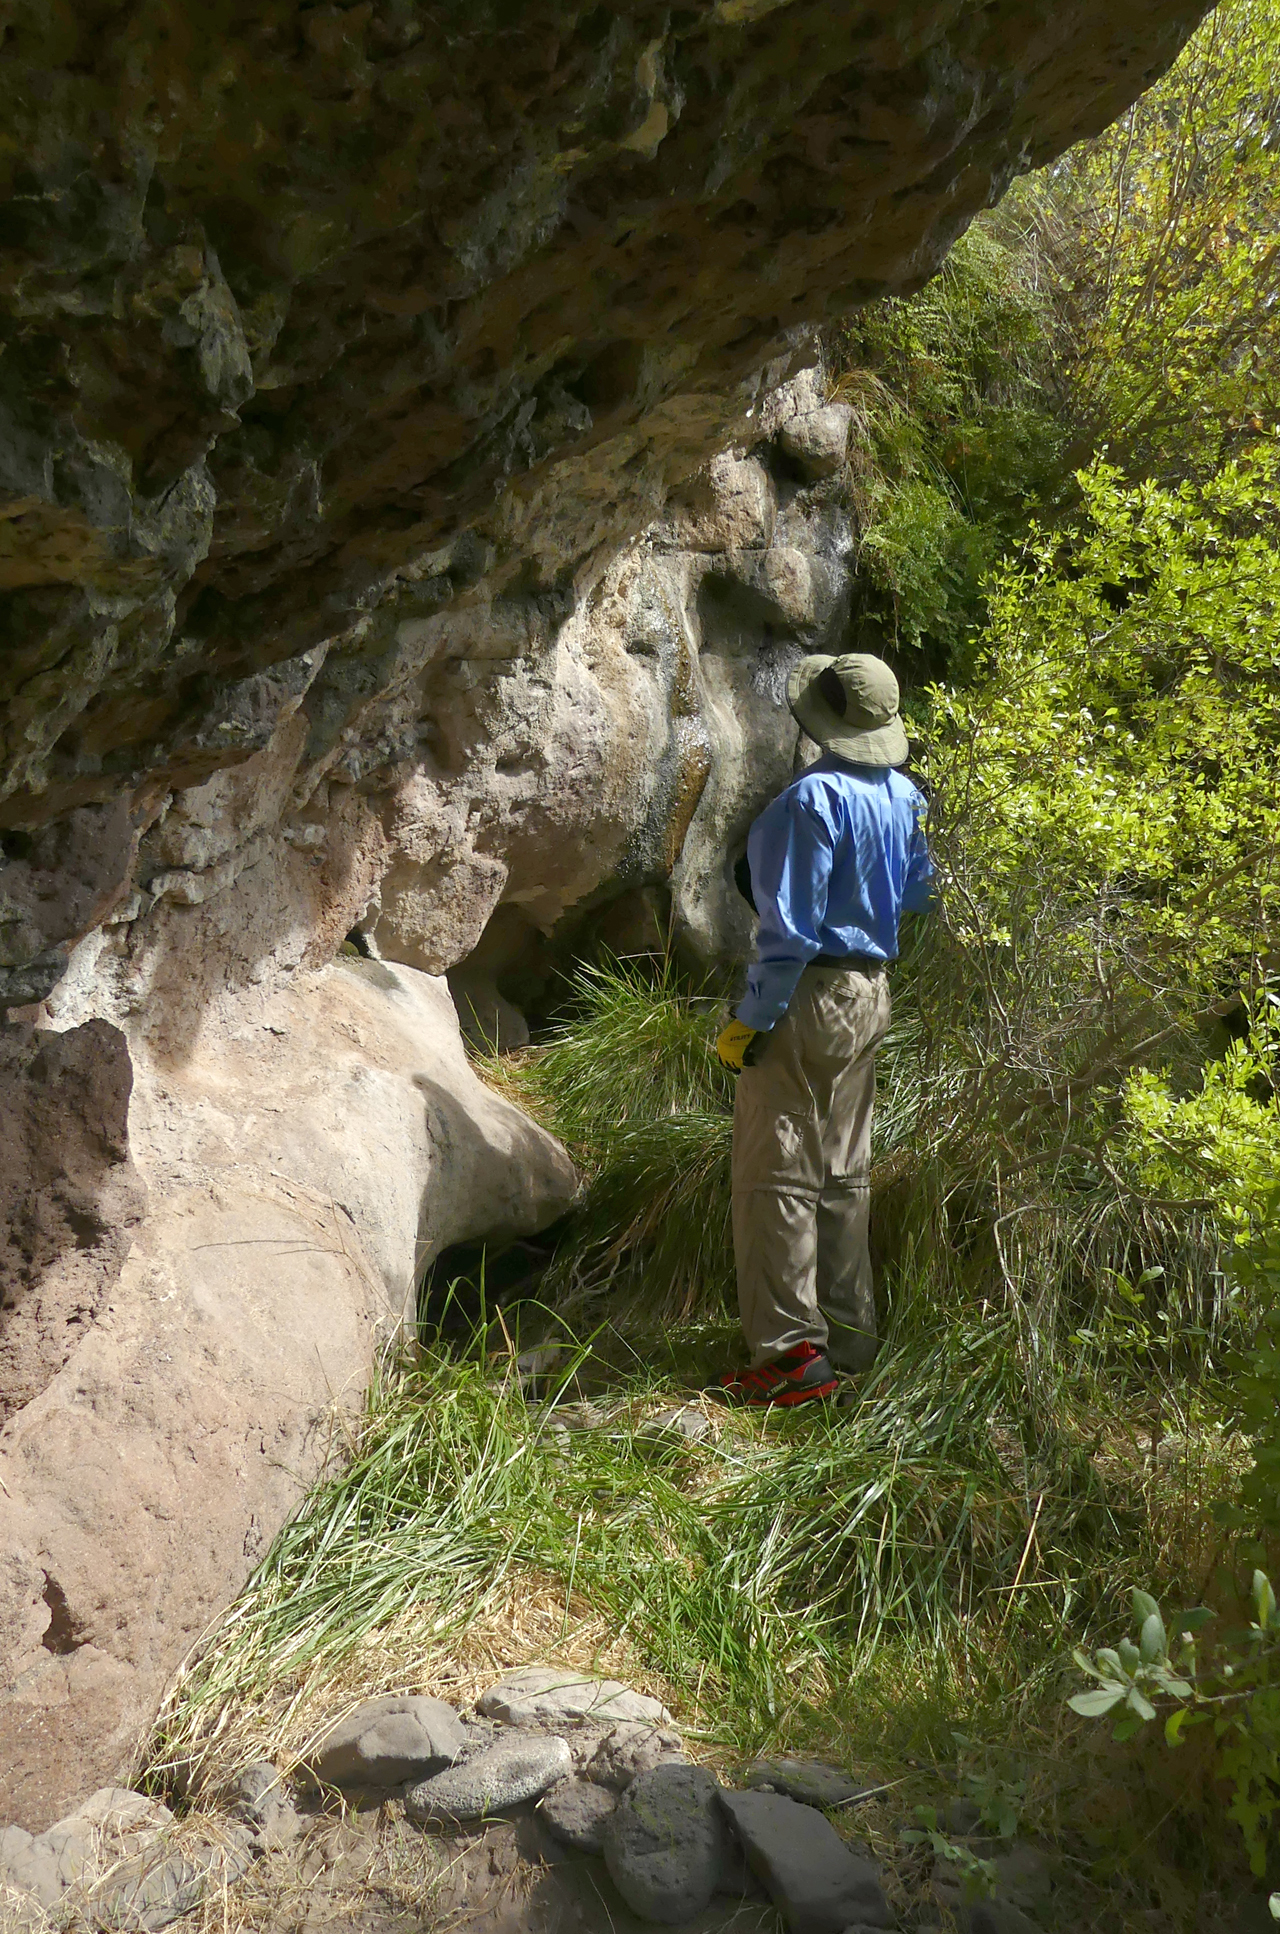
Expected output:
(308, 301)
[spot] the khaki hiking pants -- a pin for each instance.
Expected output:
(802, 1172)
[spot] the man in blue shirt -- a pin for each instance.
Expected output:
(835, 861)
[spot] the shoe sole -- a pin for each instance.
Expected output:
(785, 1399)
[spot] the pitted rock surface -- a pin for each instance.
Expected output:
(503, 1775)
(664, 1845)
(577, 1813)
(540, 1695)
(355, 329)
(628, 1750)
(810, 1780)
(813, 1877)
(387, 1741)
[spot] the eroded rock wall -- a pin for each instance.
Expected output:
(322, 321)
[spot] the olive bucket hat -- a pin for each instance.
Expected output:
(850, 706)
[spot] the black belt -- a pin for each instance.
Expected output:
(851, 963)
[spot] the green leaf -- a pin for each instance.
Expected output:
(1274, 1905)
(1144, 1606)
(1153, 1643)
(1193, 1620)
(1173, 1726)
(1139, 1703)
(1264, 1600)
(1092, 1705)
(1130, 1657)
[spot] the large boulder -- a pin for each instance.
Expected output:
(299, 1159)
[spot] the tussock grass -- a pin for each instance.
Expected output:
(753, 1580)
(874, 1584)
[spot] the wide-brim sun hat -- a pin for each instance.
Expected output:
(867, 729)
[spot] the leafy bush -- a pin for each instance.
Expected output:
(1233, 1687)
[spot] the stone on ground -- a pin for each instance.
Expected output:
(576, 1814)
(819, 1884)
(503, 1775)
(687, 1421)
(150, 1891)
(810, 1780)
(254, 1789)
(541, 1695)
(631, 1749)
(263, 1800)
(28, 1866)
(387, 1741)
(71, 1851)
(664, 1846)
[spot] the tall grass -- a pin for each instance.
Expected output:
(630, 1080)
(867, 1582)
(753, 1578)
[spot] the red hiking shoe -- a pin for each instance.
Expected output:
(798, 1376)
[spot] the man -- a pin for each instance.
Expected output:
(835, 861)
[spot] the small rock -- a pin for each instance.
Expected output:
(686, 1420)
(264, 1802)
(70, 1851)
(147, 1893)
(809, 1780)
(533, 1365)
(255, 1786)
(550, 1695)
(664, 1845)
(501, 1776)
(820, 1885)
(628, 1750)
(576, 1814)
(580, 1416)
(387, 1741)
(1025, 1873)
(117, 1809)
(29, 1867)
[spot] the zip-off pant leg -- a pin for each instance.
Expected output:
(802, 1172)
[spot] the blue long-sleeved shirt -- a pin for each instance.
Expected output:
(835, 861)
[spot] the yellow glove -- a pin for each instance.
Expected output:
(735, 1045)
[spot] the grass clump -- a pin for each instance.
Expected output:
(630, 1080)
(875, 1584)
(755, 1579)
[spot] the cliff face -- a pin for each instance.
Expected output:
(326, 326)
(417, 483)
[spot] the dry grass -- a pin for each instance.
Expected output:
(531, 1620)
